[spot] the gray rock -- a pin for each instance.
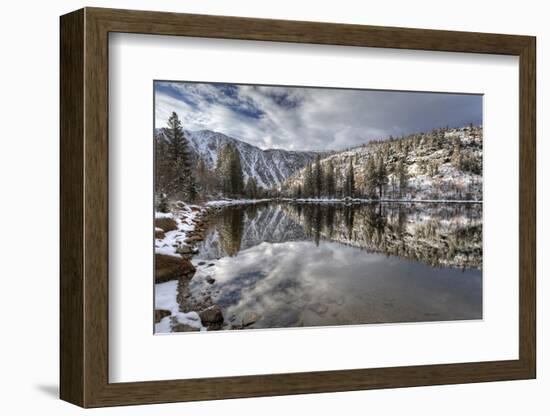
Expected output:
(171, 268)
(161, 313)
(318, 308)
(184, 328)
(210, 279)
(183, 250)
(249, 318)
(211, 315)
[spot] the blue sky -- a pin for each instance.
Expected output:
(298, 118)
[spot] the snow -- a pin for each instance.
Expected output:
(446, 183)
(227, 202)
(166, 293)
(366, 200)
(166, 299)
(164, 215)
(185, 219)
(166, 250)
(269, 167)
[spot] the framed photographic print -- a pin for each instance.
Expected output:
(261, 207)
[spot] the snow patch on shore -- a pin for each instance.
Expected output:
(366, 200)
(227, 202)
(185, 219)
(166, 299)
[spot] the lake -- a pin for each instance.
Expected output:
(288, 264)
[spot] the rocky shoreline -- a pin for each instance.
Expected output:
(177, 236)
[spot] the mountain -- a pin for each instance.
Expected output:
(269, 167)
(441, 164)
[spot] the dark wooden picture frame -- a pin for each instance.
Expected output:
(84, 207)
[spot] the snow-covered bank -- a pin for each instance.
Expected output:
(366, 200)
(227, 202)
(166, 299)
(185, 218)
(177, 236)
(173, 233)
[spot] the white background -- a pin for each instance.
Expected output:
(136, 355)
(29, 175)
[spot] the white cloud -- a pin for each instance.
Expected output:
(309, 118)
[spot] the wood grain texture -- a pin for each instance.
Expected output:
(71, 208)
(527, 207)
(84, 205)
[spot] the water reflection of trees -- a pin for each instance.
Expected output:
(444, 235)
(436, 234)
(230, 228)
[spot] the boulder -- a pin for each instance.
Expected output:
(249, 318)
(193, 239)
(184, 328)
(183, 250)
(159, 233)
(211, 315)
(319, 308)
(167, 224)
(172, 268)
(161, 313)
(210, 279)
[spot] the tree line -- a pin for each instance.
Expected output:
(321, 179)
(181, 175)
(387, 168)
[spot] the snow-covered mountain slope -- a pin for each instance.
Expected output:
(269, 167)
(441, 164)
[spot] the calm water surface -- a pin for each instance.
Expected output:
(291, 265)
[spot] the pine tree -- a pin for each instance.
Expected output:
(299, 191)
(330, 180)
(402, 177)
(456, 158)
(192, 192)
(229, 171)
(162, 205)
(251, 188)
(236, 173)
(433, 168)
(371, 181)
(204, 177)
(318, 177)
(179, 157)
(381, 176)
(162, 166)
(349, 188)
(309, 185)
(422, 166)
(222, 169)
